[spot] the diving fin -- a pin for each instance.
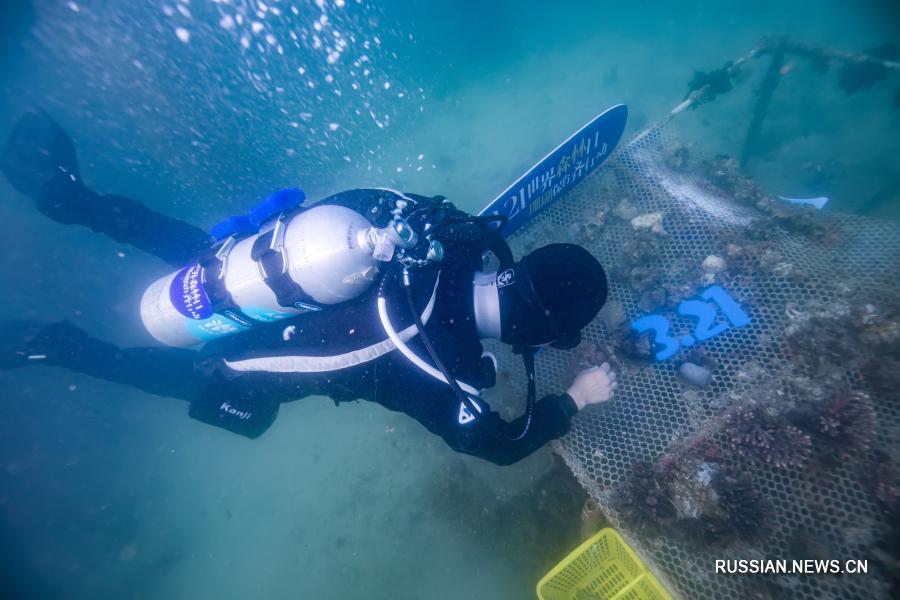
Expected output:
(37, 150)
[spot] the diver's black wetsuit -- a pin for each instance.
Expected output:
(247, 402)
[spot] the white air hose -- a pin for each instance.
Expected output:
(404, 349)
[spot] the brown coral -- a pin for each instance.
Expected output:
(883, 480)
(688, 495)
(752, 433)
(840, 426)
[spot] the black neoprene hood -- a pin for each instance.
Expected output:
(551, 294)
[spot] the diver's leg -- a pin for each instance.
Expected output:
(161, 371)
(39, 160)
(123, 219)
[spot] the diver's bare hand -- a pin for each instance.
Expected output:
(593, 386)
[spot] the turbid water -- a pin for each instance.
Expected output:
(198, 109)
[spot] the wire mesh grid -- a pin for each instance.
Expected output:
(795, 277)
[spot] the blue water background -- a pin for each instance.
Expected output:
(107, 492)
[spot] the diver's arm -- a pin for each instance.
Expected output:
(493, 439)
(69, 201)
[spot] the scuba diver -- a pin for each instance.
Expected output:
(368, 294)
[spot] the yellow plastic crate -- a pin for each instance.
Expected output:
(602, 568)
(645, 587)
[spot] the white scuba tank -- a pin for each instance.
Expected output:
(331, 252)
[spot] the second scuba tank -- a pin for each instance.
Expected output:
(320, 256)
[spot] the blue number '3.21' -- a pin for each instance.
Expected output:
(704, 311)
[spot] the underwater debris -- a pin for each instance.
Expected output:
(841, 426)
(676, 155)
(592, 518)
(839, 336)
(613, 315)
(879, 328)
(754, 434)
(588, 228)
(651, 222)
(633, 344)
(625, 210)
(690, 496)
(883, 375)
(803, 219)
(823, 334)
(695, 374)
(759, 230)
(713, 264)
(644, 502)
(747, 510)
(882, 479)
(638, 263)
(677, 292)
(725, 174)
(652, 299)
(584, 232)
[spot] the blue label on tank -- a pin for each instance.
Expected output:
(236, 317)
(221, 325)
(187, 294)
(266, 315)
(212, 328)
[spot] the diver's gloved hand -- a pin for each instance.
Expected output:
(593, 386)
(37, 150)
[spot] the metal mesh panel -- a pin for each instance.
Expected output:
(800, 278)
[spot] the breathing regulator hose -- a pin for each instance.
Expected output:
(406, 351)
(463, 391)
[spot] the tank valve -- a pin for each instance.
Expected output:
(435, 251)
(385, 240)
(404, 235)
